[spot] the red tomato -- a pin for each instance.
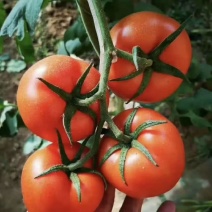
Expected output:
(42, 110)
(148, 30)
(142, 177)
(55, 192)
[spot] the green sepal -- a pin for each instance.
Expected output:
(76, 181)
(92, 171)
(144, 150)
(128, 77)
(108, 132)
(53, 169)
(164, 68)
(91, 93)
(128, 124)
(64, 158)
(138, 52)
(70, 111)
(146, 125)
(88, 111)
(140, 59)
(78, 88)
(81, 150)
(122, 160)
(145, 82)
(157, 52)
(60, 92)
(110, 152)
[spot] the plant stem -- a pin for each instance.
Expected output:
(106, 50)
(116, 131)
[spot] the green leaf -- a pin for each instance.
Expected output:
(8, 119)
(201, 100)
(34, 143)
(88, 23)
(205, 72)
(76, 30)
(3, 15)
(24, 10)
(73, 46)
(75, 39)
(142, 6)
(118, 9)
(4, 57)
(1, 45)
(12, 124)
(16, 66)
(32, 12)
(197, 120)
(163, 4)
(3, 66)
(104, 2)
(5, 107)
(61, 49)
(26, 49)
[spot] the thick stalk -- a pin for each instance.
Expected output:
(116, 131)
(106, 50)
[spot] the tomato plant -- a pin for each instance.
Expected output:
(144, 179)
(144, 58)
(147, 30)
(42, 110)
(55, 191)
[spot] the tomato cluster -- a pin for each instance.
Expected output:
(151, 158)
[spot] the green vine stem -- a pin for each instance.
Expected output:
(107, 53)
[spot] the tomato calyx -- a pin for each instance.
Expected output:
(72, 173)
(153, 62)
(132, 143)
(71, 101)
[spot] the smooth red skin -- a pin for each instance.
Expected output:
(143, 178)
(148, 30)
(42, 110)
(55, 192)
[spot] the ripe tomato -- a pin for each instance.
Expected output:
(42, 110)
(148, 30)
(55, 192)
(143, 179)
